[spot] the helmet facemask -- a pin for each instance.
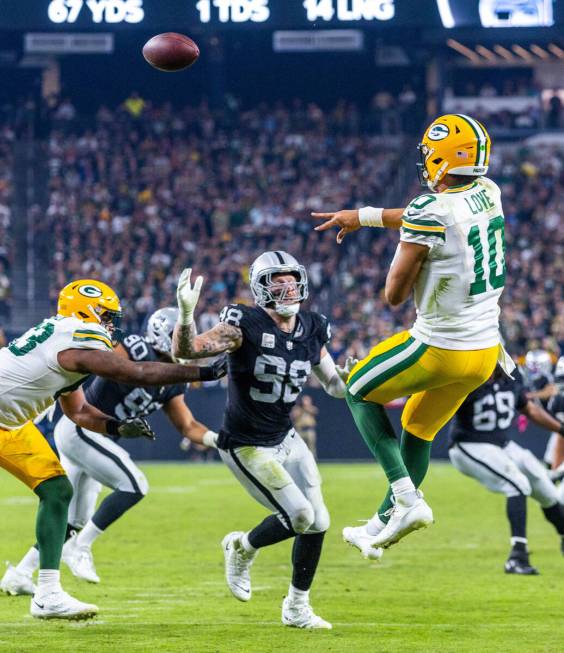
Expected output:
(284, 297)
(111, 321)
(160, 328)
(425, 153)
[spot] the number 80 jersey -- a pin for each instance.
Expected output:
(458, 288)
(267, 374)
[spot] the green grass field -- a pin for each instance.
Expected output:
(162, 583)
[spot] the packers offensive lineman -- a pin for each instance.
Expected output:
(481, 449)
(273, 347)
(451, 254)
(50, 362)
(92, 460)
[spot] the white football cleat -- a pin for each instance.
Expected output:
(358, 537)
(301, 615)
(79, 560)
(16, 583)
(238, 563)
(60, 605)
(403, 520)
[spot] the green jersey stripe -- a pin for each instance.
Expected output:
(101, 339)
(423, 222)
(417, 232)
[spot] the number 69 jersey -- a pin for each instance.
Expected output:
(31, 378)
(459, 285)
(121, 400)
(267, 374)
(488, 412)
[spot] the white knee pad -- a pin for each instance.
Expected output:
(322, 521)
(303, 518)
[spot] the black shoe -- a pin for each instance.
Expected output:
(520, 566)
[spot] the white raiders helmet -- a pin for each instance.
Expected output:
(260, 274)
(538, 364)
(160, 327)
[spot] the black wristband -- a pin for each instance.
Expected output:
(561, 429)
(207, 373)
(112, 427)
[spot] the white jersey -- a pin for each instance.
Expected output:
(457, 291)
(31, 378)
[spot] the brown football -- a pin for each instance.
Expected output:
(171, 51)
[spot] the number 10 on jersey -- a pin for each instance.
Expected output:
(495, 236)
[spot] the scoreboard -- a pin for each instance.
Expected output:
(178, 15)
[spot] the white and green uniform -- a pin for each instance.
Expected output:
(458, 289)
(31, 378)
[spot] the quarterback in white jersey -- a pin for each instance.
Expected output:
(50, 362)
(451, 255)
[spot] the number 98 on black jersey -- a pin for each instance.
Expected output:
(267, 374)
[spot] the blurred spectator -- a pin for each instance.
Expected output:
(134, 105)
(304, 416)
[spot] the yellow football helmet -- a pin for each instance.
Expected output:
(90, 301)
(453, 144)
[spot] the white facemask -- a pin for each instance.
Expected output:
(287, 310)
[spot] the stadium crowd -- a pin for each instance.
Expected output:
(142, 191)
(7, 140)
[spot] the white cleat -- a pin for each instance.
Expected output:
(60, 605)
(237, 566)
(358, 537)
(301, 615)
(80, 561)
(16, 583)
(403, 520)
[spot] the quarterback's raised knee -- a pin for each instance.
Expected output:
(322, 521)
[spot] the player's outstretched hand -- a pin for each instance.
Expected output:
(187, 295)
(215, 371)
(347, 221)
(136, 427)
(344, 371)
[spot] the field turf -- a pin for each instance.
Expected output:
(162, 586)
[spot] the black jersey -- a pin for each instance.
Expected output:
(121, 400)
(267, 373)
(555, 406)
(488, 412)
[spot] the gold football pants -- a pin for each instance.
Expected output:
(436, 380)
(26, 454)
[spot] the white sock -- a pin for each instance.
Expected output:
(374, 525)
(49, 581)
(519, 540)
(298, 596)
(29, 563)
(405, 489)
(88, 534)
(249, 548)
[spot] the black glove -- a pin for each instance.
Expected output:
(132, 427)
(215, 371)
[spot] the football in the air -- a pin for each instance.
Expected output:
(171, 51)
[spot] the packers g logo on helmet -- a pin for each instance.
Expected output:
(90, 291)
(90, 301)
(453, 144)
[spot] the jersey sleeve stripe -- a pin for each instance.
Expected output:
(423, 226)
(424, 232)
(82, 337)
(422, 222)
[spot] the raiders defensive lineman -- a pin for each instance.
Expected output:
(273, 347)
(480, 448)
(92, 460)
